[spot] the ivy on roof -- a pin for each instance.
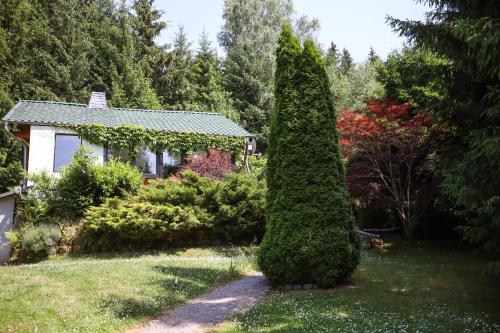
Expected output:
(133, 138)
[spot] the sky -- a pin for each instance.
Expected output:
(352, 24)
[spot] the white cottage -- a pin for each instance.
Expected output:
(48, 143)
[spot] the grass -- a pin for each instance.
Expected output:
(108, 293)
(421, 287)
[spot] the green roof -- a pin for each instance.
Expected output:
(70, 114)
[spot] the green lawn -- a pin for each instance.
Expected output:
(431, 287)
(109, 293)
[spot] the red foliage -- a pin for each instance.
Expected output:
(387, 147)
(215, 164)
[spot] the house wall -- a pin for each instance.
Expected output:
(42, 144)
(6, 221)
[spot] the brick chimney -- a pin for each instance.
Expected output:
(98, 100)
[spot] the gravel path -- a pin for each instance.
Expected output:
(200, 314)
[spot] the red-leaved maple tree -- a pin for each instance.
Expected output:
(387, 147)
(216, 164)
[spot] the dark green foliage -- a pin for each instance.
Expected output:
(346, 62)
(175, 86)
(310, 235)
(119, 224)
(188, 210)
(207, 80)
(37, 206)
(147, 26)
(239, 211)
(83, 184)
(249, 38)
(415, 75)
(77, 185)
(373, 56)
(58, 50)
(468, 33)
(11, 170)
(130, 87)
(115, 178)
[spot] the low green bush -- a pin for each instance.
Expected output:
(119, 224)
(34, 241)
(169, 211)
(83, 184)
(239, 209)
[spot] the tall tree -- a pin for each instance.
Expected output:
(468, 33)
(310, 236)
(176, 86)
(332, 55)
(130, 87)
(249, 35)
(387, 147)
(207, 80)
(148, 26)
(361, 85)
(346, 62)
(373, 57)
(417, 75)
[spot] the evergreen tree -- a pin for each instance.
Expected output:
(129, 88)
(147, 26)
(346, 62)
(251, 29)
(210, 95)
(410, 75)
(176, 87)
(373, 57)
(310, 236)
(468, 33)
(332, 55)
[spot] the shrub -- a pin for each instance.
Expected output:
(35, 242)
(84, 184)
(37, 205)
(118, 224)
(239, 210)
(115, 177)
(215, 165)
(310, 235)
(78, 187)
(170, 211)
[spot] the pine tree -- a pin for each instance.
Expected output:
(176, 88)
(147, 26)
(210, 95)
(332, 56)
(129, 88)
(346, 62)
(373, 57)
(310, 236)
(249, 36)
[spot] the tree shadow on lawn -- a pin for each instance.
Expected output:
(222, 250)
(127, 254)
(180, 284)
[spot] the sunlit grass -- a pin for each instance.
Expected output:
(109, 292)
(429, 287)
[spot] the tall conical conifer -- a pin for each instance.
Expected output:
(310, 236)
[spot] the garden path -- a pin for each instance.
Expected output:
(200, 314)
